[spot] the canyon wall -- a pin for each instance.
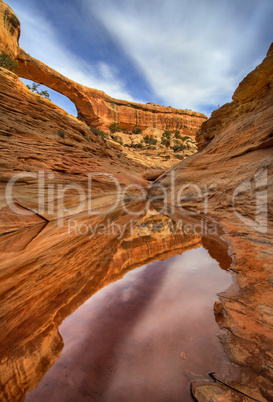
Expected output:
(233, 172)
(9, 30)
(48, 271)
(231, 179)
(251, 97)
(37, 136)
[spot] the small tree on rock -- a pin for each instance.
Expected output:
(34, 88)
(7, 62)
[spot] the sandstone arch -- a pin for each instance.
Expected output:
(33, 69)
(93, 106)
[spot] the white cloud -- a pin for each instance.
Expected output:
(40, 39)
(187, 50)
(193, 54)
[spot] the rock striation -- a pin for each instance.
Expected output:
(9, 30)
(251, 96)
(231, 179)
(98, 109)
(37, 136)
(48, 271)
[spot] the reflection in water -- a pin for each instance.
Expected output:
(134, 336)
(135, 339)
(140, 338)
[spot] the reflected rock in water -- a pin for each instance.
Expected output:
(48, 271)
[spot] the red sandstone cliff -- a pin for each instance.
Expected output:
(36, 135)
(9, 30)
(46, 273)
(234, 173)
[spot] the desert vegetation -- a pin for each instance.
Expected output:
(7, 62)
(34, 87)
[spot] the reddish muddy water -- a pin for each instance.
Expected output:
(143, 337)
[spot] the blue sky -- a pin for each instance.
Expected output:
(187, 54)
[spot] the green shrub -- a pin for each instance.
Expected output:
(168, 157)
(45, 94)
(163, 141)
(34, 88)
(97, 132)
(150, 140)
(167, 134)
(177, 135)
(114, 127)
(137, 130)
(177, 148)
(181, 157)
(7, 62)
(186, 137)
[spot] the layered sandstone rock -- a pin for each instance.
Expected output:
(94, 107)
(156, 154)
(37, 136)
(233, 172)
(231, 179)
(9, 31)
(47, 271)
(251, 96)
(98, 109)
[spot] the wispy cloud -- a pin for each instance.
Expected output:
(193, 53)
(41, 39)
(179, 53)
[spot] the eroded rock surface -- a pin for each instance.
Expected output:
(98, 109)
(36, 135)
(9, 30)
(55, 269)
(231, 179)
(234, 172)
